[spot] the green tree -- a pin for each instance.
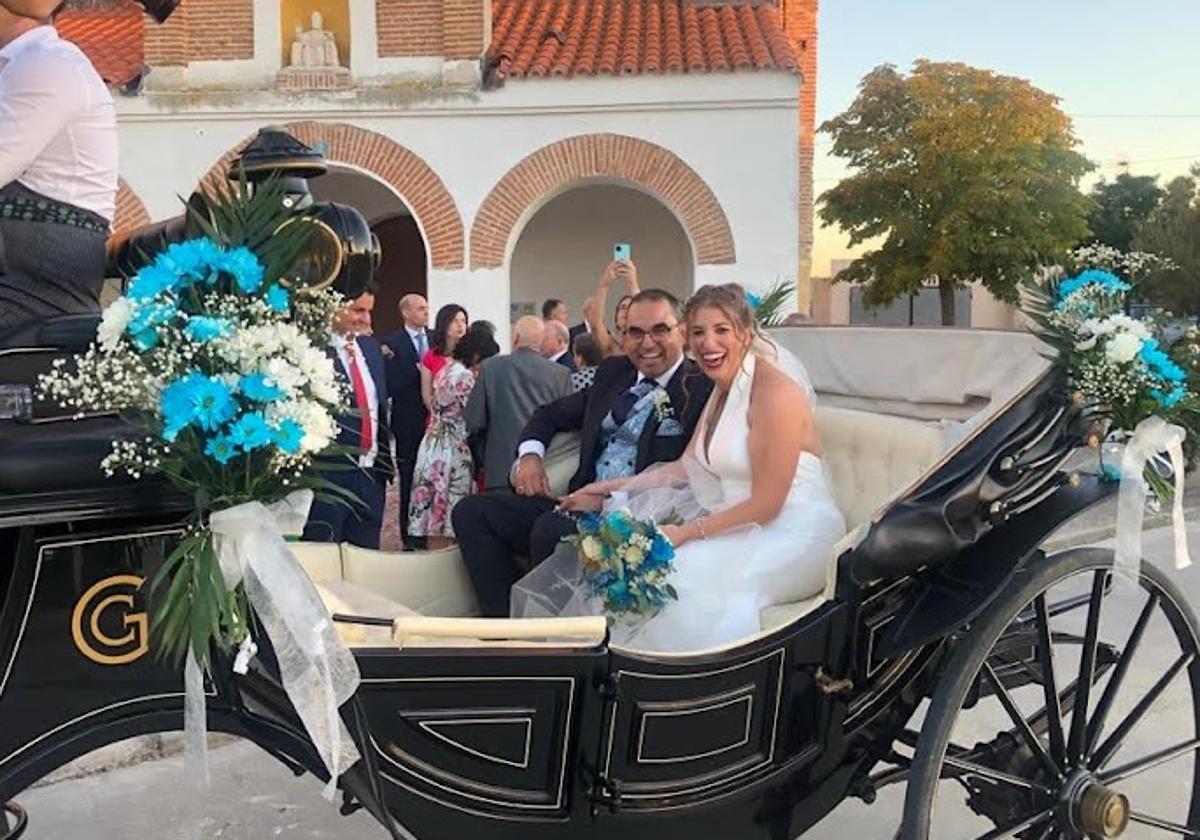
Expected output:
(1173, 231)
(1121, 207)
(967, 175)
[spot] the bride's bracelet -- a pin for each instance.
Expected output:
(700, 528)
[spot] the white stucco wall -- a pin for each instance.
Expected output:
(737, 131)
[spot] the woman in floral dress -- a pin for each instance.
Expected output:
(443, 472)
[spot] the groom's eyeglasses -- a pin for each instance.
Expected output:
(658, 332)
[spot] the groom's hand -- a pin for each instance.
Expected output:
(531, 478)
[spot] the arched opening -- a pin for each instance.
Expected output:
(566, 244)
(405, 264)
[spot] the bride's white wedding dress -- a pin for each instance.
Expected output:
(725, 581)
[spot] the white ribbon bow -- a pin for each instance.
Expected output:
(317, 671)
(1152, 437)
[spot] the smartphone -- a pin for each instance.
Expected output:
(621, 252)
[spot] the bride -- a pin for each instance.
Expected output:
(759, 519)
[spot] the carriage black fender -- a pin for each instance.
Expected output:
(948, 596)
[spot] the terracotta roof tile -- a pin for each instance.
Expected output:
(539, 38)
(112, 38)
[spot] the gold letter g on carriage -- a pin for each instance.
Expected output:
(110, 601)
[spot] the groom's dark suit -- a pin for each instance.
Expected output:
(494, 530)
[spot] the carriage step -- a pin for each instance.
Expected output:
(17, 813)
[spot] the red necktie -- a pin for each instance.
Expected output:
(360, 397)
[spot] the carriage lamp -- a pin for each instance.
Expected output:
(16, 402)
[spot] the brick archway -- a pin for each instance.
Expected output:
(131, 212)
(421, 188)
(601, 157)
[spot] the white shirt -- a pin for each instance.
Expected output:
(537, 448)
(58, 124)
(416, 336)
(367, 459)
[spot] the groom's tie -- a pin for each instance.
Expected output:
(628, 399)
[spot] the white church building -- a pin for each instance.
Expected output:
(499, 148)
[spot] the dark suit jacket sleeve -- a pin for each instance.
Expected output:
(402, 365)
(476, 413)
(563, 415)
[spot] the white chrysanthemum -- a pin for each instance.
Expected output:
(317, 424)
(114, 322)
(1123, 347)
(592, 548)
(634, 556)
(286, 376)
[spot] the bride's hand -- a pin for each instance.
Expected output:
(677, 534)
(586, 498)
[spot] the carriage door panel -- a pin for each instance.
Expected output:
(685, 731)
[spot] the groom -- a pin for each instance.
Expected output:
(640, 410)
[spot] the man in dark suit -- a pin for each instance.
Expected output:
(359, 363)
(554, 309)
(404, 349)
(625, 425)
(506, 394)
(556, 345)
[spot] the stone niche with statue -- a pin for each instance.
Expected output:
(314, 49)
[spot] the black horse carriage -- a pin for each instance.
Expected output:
(950, 651)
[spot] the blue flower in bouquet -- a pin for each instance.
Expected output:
(278, 298)
(1169, 399)
(193, 257)
(198, 400)
(258, 387)
(221, 449)
(203, 328)
(244, 267)
(147, 316)
(250, 431)
(1160, 364)
(661, 551)
(288, 436)
(620, 523)
(1106, 281)
(152, 281)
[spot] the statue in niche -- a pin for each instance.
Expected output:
(314, 48)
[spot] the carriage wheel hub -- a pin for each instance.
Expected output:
(1102, 812)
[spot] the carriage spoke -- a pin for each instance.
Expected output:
(1096, 727)
(971, 768)
(1165, 825)
(1058, 747)
(1149, 762)
(1087, 672)
(1010, 706)
(1109, 748)
(1012, 828)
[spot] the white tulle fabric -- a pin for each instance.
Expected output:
(725, 581)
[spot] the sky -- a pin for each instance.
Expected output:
(1128, 73)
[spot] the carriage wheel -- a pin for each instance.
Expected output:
(1003, 753)
(12, 830)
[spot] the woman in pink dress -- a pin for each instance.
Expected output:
(449, 326)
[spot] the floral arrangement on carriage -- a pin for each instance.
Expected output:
(1142, 390)
(215, 352)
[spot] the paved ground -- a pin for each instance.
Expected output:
(254, 798)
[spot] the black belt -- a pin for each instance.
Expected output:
(22, 204)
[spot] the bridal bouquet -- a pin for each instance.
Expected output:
(626, 562)
(220, 361)
(1118, 365)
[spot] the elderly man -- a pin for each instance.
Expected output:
(359, 364)
(623, 429)
(509, 389)
(556, 344)
(403, 349)
(58, 170)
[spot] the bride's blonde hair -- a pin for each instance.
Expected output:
(731, 299)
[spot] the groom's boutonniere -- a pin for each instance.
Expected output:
(663, 410)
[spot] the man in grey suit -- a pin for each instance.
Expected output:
(507, 392)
